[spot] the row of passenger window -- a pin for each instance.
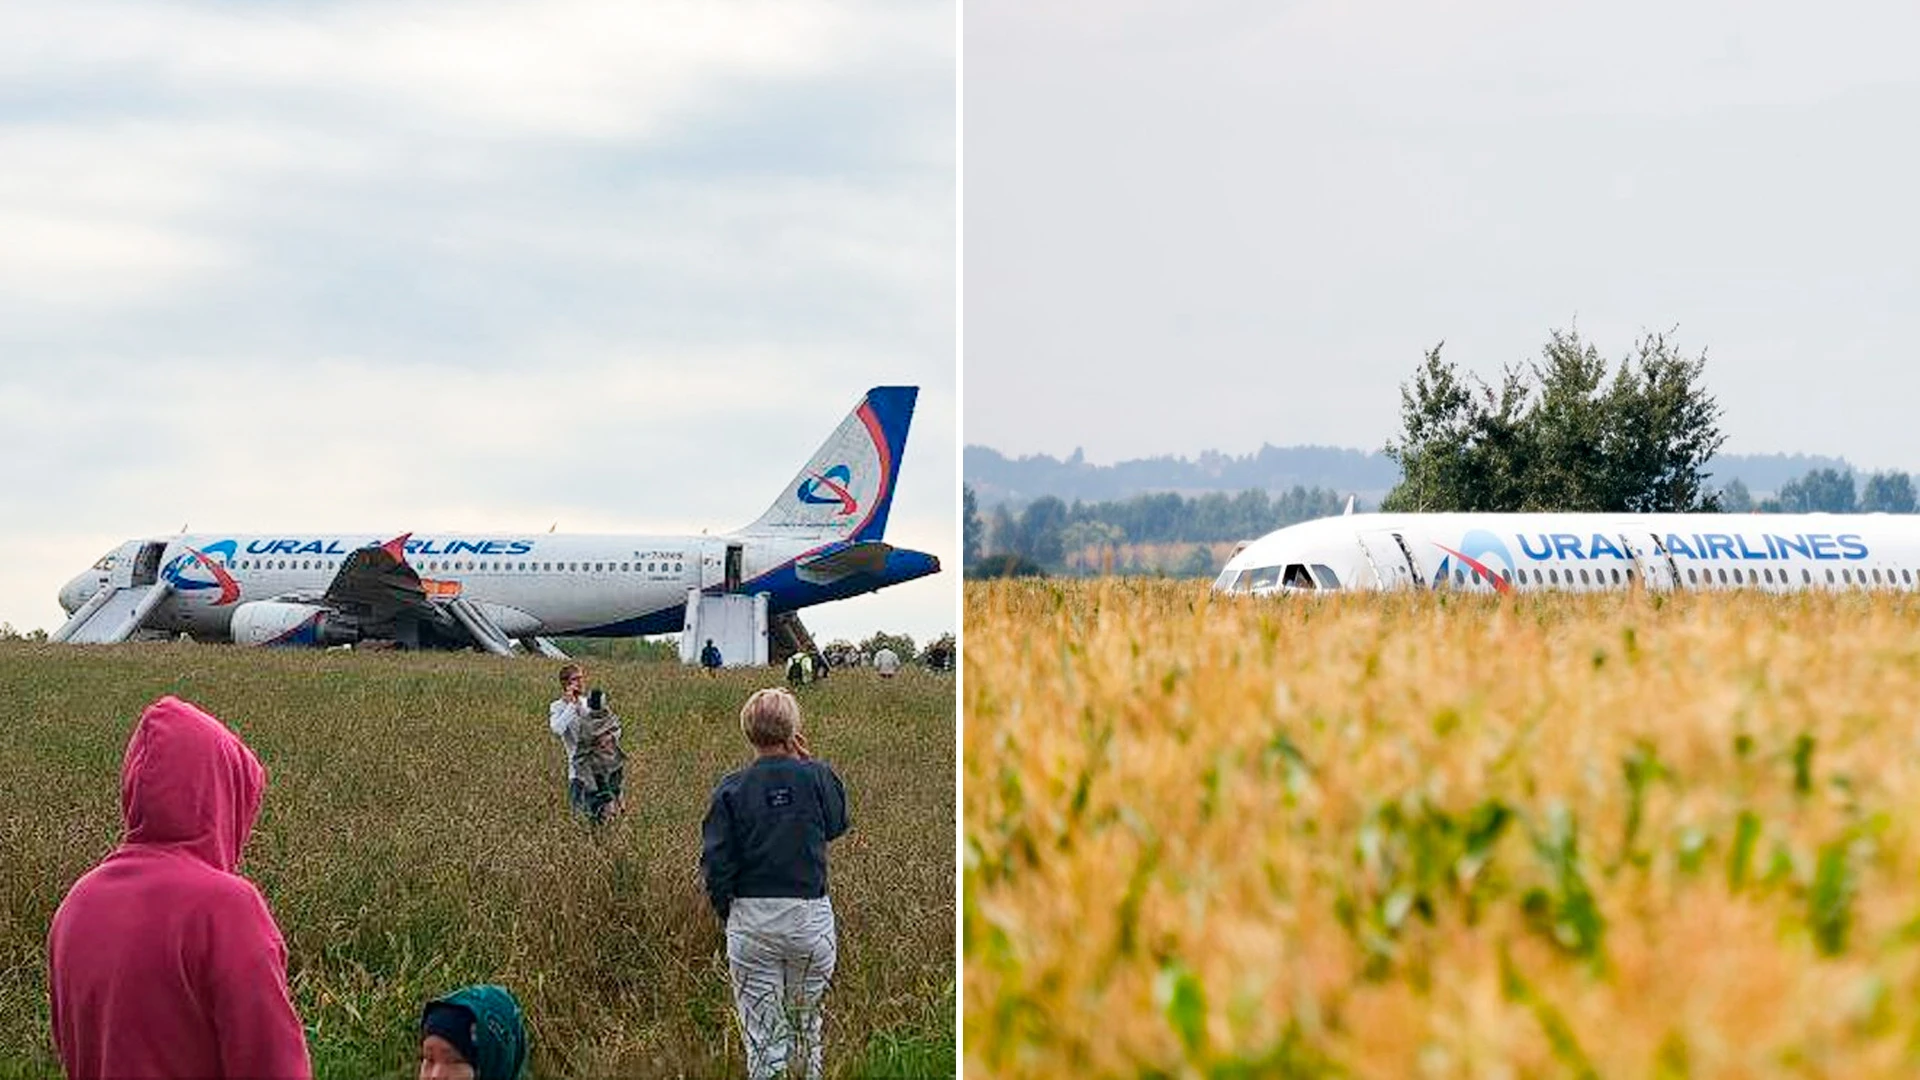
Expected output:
(1695, 576)
(483, 566)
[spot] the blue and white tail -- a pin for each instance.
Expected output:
(846, 488)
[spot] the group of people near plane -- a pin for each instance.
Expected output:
(164, 961)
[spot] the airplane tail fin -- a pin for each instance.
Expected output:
(846, 488)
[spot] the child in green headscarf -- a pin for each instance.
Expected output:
(475, 1033)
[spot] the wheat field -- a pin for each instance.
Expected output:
(1439, 836)
(415, 838)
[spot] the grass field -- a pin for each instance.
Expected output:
(415, 838)
(1440, 836)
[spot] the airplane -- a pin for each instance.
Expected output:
(1578, 552)
(820, 540)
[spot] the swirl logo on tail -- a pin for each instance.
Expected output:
(828, 488)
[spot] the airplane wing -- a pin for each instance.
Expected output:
(829, 566)
(375, 583)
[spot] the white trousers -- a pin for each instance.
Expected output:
(781, 953)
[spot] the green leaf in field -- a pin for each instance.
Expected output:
(1830, 901)
(1803, 763)
(1184, 1001)
(1745, 832)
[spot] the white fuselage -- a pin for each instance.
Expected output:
(539, 584)
(1503, 552)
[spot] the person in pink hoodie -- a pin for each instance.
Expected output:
(163, 961)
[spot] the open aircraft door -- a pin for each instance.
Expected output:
(1391, 561)
(1651, 561)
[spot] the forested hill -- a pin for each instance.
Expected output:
(996, 478)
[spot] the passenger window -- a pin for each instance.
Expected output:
(1459, 576)
(1876, 575)
(1723, 575)
(1806, 576)
(1506, 576)
(1553, 576)
(1583, 577)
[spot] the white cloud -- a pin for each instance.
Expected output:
(463, 266)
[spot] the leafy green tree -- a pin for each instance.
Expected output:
(1828, 490)
(1041, 524)
(1006, 564)
(1891, 492)
(1199, 562)
(901, 644)
(973, 527)
(1559, 435)
(939, 653)
(1004, 536)
(1735, 498)
(1663, 428)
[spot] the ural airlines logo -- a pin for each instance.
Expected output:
(195, 561)
(834, 482)
(1477, 550)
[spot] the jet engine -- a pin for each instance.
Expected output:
(275, 622)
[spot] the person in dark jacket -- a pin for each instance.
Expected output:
(764, 856)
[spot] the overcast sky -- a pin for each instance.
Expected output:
(1218, 223)
(480, 266)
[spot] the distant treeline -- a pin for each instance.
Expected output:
(996, 478)
(1048, 530)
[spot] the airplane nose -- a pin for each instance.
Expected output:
(70, 599)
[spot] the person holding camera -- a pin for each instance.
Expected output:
(599, 763)
(566, 718)
(764, 857)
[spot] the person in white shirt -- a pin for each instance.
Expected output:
(567, 710)
(887, 663)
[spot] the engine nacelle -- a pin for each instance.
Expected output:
(273, 622)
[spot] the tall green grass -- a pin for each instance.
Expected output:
(415, 838)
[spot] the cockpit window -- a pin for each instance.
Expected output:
(1328, 579)
(1296, 577)
(1228, 579)
(106, 561)
(1264, 577)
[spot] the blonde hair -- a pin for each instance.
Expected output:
(770, 716)
(568, 671)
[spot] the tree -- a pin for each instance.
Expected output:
(1004, 536)
(901, 644)
(939, 653)
(1891, 492)
(1463, 444)
(1663, 431)
(1559, 435)
(1828, 490)
(1040, 526)
(973, 528)
(1006, 564)
(1735, 498)
(1199, 562)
